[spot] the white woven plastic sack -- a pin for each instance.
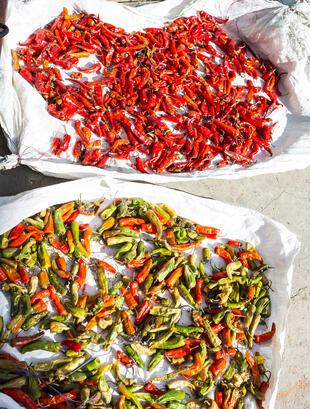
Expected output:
(279, 32)
(277, 245)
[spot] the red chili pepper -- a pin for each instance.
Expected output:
(56, 399)
(219, 396)
(178, 352)
(20, 240)
(198, 291)
(143, 311)
(234, 243)
(23, 274)
(81, 276)
(153, 389)
(125, 360)
(267, 336)
(58, 245)
(16, 232)
(40, 295)
(218, 367)
(134, 289)
(219, 251)
(225, 353)
(3, 276)
(75, 346)
(21, 397)
(106, 266)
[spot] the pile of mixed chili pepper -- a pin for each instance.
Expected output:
(167, 99)
(45, 265)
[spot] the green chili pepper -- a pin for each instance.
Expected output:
(213, 338)
(50, 346)
(125, 231)
(153, 218)
(50, 365)
(188, 330)
(165, 270)
(158, 342)
(34, 320)
(254, 324)
(9, 252)
(54, 281)
(99, 304)
(104, 389)
(228, 322)
(105, 214)
(148, 282)
(123, 250)
(172, 343)
(189, 277)
(249, 314)
(74, 288)
(15, 300)
(177, 405)
(115, 287)
(58, 223)
(140, 250)
(188, 297)
(115, 330)
(112, 241)
(134, 355)
(231, 370)
(130, 255)
(44, 257)
(64, 370)
(75, 232)
(102, 280)
(129, 395)
(76, 311)
(171, 396)
(1, 325)
(156, 359)
(93, 364)
(261, 304)
(4, 240)
(33, 385)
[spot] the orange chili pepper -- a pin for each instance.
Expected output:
(187, 246)
(141, 276)
(254, 368)
(249, 254)
(40, 306)
(250, 293)
(170, 236)
(148, 228)
(129, 328)
(130, 221)
(56, 301)
(195, 368)
(49, 226)
(61, 263)
(138, 263)
(12, 274)
(86, 239)
(121, 402)
(81, 273)
(174, 276)
(131, 302)
(207, 231)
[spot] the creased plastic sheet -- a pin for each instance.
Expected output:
(277, 245)
(279, 32)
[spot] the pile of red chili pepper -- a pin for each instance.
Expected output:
(46, 262)
(143, 83)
